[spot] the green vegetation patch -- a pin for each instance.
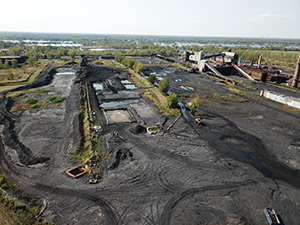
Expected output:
(43, 91)
(12, 209)
(172, 100)
(161, 102)
(55, 99)
(164, 85)
(130, 63)
(32, 101)
(36, 106)
(194, 104)
(152, 78)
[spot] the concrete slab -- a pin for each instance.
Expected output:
(118, 116)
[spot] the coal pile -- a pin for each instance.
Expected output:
(138, 129)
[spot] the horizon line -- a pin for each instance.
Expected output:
(153, 35)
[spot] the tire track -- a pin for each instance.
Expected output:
(167, 212)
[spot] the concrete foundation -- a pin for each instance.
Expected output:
(118, 116)
(277, 97)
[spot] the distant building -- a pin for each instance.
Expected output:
(20, 59)
(95, 48)
(106, 57)
(4, 50)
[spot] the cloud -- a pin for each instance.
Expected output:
(267, 17)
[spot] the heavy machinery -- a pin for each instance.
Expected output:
(198, 59)
(223, 60)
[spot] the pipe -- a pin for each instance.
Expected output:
(259, 61)
(243, 72)
(297, 73)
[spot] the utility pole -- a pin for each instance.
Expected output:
(297, 73)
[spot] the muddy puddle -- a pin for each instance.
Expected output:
(183, 109)
(128, 85)
(125, 82)
(186, 88)
(65, 74)
(98, 86)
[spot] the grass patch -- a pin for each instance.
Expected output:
(160, 101)
(291, 109)
(139, 80)
(12, 210)
(55, 99)
(212, 99)
(83, 154)
(43, 91)
(26, 77)
(17, 94)
(31, 101)
(36, 106)
(244, 94)
(227, 97)
(246, 86)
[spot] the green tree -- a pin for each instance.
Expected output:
(128, 62)
(6, 64)
(119, 58)
(152, 78)
(72, 53)
(50, 55)
(62, 51)
(14, 63)
(194, 104)
(138, 67)
(31, 60)
(15, 51)
(172, 100)
(164, 85)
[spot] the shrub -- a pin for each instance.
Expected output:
(60, 99)
(164, 85)
(119, 58)
(31, 101)
(172, 100)
(152, 78)
(14, 63)
(194, 104)
(54, 99)
(51, 99)
(36, 106)
(128, 62)
(138, 67)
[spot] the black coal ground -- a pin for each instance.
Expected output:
(223, 173)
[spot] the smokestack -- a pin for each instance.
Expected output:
(297, 73)
(259, 62)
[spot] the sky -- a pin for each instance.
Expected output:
(216, 18)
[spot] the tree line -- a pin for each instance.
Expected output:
(130, 63)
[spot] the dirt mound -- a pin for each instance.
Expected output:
(138, 129)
